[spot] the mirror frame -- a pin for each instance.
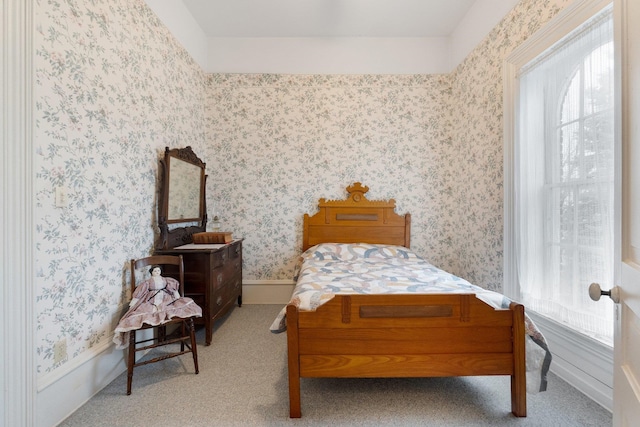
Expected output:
(176, 236)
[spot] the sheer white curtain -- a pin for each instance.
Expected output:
(564, 186)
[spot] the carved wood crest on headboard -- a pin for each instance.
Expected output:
(356, 220)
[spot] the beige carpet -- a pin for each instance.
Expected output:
(243, 382)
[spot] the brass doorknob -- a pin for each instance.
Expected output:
(595, 292)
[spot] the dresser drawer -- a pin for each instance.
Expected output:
(222, 275)
(218, 259)
(234, 287)
(219, 277)
(227, 293)
(218, 301)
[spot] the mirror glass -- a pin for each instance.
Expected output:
(185, 187)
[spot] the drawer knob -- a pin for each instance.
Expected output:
(219, 300)
(220, 277)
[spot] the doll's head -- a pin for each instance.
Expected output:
(155, 270)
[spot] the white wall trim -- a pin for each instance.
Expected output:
(572, 16)
(78, 384)
(583, 362)
(510, 286)
(16, 216)
(50, 378)
(267, 291)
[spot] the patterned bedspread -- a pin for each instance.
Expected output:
(331, 268)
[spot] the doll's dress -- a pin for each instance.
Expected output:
(156, 304)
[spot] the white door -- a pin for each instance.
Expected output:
(626, 377)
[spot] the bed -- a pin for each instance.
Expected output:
(366, 306)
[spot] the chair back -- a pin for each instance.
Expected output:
(163, 261)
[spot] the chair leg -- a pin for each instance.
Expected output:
(194, 348)
(187, 324)
(183, 332)
(131, 359)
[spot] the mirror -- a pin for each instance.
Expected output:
(184, 191)
(182, 197)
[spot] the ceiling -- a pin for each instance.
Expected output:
(328, 18)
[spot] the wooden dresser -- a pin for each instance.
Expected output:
(213, 278)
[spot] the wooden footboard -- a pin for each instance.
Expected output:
(435, 335)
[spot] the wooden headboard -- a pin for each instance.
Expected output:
(356, 220)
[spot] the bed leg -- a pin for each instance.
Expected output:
(294, 398)
(519, 377)
(293, 362)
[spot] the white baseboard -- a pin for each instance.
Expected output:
(584, 363)
(64, 390)
(74, 387)
(267, 291)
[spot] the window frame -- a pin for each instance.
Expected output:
(583, 362)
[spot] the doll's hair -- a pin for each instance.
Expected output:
(153, 267)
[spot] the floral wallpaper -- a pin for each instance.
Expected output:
(283, 141)
(478, 139)
(112, 88)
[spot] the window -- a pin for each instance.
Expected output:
(564, 179)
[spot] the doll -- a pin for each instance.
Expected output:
(154, 302)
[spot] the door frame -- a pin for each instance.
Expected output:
(626, 340)
(16, 216)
